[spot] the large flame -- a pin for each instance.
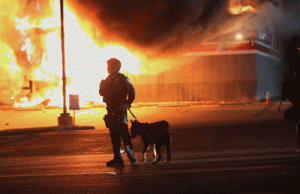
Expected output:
(236, 7)
(10, 73)
(33, 39)
(85, 61)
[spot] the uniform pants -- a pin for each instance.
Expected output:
(117, 132)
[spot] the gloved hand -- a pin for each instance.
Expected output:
(125, 106)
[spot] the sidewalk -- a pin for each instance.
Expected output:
(178, 115)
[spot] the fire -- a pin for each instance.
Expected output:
(24, 102)
(240, 9)
(10, 73)
(239, 36)
(236, 7)
(85, 61)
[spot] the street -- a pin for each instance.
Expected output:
(215, 149)
(87, 174)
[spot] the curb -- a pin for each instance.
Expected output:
(72, 128)
(138, 105)
(28, 130)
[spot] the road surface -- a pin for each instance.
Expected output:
(215, 149)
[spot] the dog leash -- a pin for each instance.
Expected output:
(133, 115)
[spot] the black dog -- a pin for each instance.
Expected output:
(153, 133)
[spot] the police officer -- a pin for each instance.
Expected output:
(118, 94)
(290, 88)
(291, 84)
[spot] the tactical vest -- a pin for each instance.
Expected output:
(115, 92)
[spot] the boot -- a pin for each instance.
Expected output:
(118, 160)
(115, 162)
(130, 154)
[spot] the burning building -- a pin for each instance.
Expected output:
(31, 66)
(171, 50)
(240, 63)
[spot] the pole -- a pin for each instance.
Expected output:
(63, 54)
(74, 118)
(65, 119)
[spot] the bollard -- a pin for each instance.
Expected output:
(267, 98)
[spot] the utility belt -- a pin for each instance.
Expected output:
(109, 120)
(114, 117)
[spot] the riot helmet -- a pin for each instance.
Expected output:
(113, 66)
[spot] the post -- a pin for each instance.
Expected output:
(63, 54)
(74, 104)
(64, 119)
(74, 118)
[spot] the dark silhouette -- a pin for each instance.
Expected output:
(156, 134)
(290, 88)
(292, 60)
(118, 94)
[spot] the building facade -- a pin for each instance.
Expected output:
(242, 73)
(231, 68)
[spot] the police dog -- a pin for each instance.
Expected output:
(156, 134)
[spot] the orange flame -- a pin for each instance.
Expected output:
(41, 59)
(10, 72)
(85, 61)
(236, 7)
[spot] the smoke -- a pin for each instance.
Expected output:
(158, 25)
(290, 26)
(165, 27)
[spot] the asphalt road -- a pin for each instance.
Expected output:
(83, 176)
(237, 155)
